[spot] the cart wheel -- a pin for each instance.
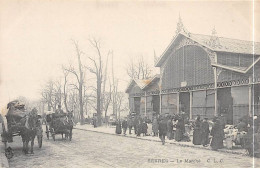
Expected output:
(9, 153)
(47, 132)
(39, 141)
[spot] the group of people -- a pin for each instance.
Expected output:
(166, 125)
(160, 126)
(139, 124)
(201, 133)
(173, 127)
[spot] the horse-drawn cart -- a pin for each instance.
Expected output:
(59, 124)
(20, 122)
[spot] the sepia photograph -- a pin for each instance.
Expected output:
(129, 84)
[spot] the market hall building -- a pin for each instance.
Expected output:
(203, 75)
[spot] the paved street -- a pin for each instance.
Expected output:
(90, 149)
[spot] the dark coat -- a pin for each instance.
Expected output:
(217, 134)
(163, 127)
(155, 125)
(124, 124)
(180, 129)
(204, 133)
(169, 126)
(144, 128)
(118, 128)
(197, 133)
(170, 129)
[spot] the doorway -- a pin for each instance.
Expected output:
(137, 103)
(156, 103)
(185, 102)
(225, 104)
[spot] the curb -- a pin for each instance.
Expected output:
(174, 143)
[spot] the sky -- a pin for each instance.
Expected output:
(35, 36)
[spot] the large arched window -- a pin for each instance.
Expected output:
(190, 65)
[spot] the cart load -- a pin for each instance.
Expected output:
(59, 123)
(24, 123)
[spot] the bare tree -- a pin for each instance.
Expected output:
(131, 72)
(80, 79)
(119, 102)
(47, 94)
(97, 70)
(139, 70)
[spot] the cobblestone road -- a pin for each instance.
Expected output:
(89, 149)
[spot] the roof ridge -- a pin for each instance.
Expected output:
(225, 37)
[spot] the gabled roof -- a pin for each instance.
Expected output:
(142, 84)
(225, 45)
(152, 80)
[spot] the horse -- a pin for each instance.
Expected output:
(28, 131)
(69, 124)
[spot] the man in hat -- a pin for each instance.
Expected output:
(124, 126)
(205, 132)
(59, 110)
(163, 129)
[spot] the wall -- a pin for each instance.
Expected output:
(190, 64)
(232, 59)
(203, 104)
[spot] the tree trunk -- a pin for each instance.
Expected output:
(81, 106)
(98, 101)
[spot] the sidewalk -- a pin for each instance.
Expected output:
(111, 131)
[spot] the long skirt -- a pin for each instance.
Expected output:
(196, 137)
(216, 142)
(204, 138)
(118, 129)
(170, 135)
(178, 135)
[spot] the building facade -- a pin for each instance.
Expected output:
(202, 75)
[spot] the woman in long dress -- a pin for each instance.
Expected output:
(217, 134)
(180, 127)
(155, 127)
(205, 132)
(118, 127)
(197, 132)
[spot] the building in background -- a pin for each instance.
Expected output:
(202, 75)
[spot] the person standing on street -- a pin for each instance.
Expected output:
(155, 127)
(170, 128)
(197, 132)
(180, 130)
(118, 127)
(135, 124)
(163, 129)
(205, 132)
(144, 128)
(124, 126)
(130, 124)
(217, 134)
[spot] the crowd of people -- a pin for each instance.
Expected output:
(175, 127)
